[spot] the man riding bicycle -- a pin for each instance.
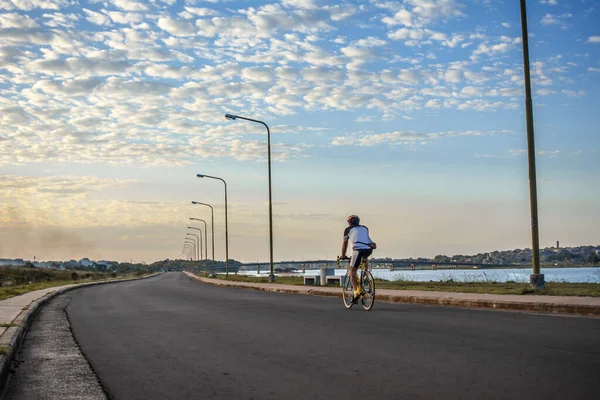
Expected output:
(362, 247)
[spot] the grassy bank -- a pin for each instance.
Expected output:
(15, 281)
(552, 288)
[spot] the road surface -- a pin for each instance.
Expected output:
(169, 337)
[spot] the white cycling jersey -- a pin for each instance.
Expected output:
(358, 236)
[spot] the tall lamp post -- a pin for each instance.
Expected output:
(205, 237)
(234, 117)
(226, 226)
(193, 247)
(186, 249)
(536, 279)
(199, 230)
(197, 246)
(212, 219)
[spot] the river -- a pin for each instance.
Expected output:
(583, 275)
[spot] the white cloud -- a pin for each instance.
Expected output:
(402, 17)
(550, 2)
(17, 21)
(340, 12)
(201, 12)
(271, 18)
(573, 93)
(550, 19)
(402, 138)
(545, 92)
(593, 39)
(56, 20)
(29, 5)
(96, 17)
(433, 103)
(129, 5)
(417, 36)
(419, 13)
(124, 18)
(486, 48)
(302, 4)
(176, 27)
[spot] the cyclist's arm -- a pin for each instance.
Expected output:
(344, 247)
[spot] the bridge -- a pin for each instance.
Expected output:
(282, 266)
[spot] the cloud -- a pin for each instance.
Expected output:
(550, 19)
(573, 93)
(125, 18)
(17, 21)
(176, 27)
(96, 17)
(201, 12)
(401, 138)
(419, 13)
(416, 36)
(129, 5)
(340, 12)
(593, 39)
(28, 5)
(73, 66)
(550, 2)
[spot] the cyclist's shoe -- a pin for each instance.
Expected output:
(357, 294)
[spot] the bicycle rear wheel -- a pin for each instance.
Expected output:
(368, 289)
(347, 291)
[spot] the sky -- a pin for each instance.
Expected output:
(410, 114)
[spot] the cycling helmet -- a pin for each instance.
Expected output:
(353, 220)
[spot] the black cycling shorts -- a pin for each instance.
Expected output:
(358, 255)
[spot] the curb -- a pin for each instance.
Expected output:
(12, 339)
(447, 301)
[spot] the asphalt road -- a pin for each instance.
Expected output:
(169, 337)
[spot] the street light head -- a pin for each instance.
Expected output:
(200, 175)
(194, 202)
(230, 116)
(189, 227)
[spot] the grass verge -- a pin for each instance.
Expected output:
(18, 281)
(552, 288)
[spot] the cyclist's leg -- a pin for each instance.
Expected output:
(354, 264)
(365, 257)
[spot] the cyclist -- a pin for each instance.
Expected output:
(362, 247)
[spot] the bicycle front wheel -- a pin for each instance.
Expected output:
(347, 291)
(368, 289)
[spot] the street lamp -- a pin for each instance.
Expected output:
(205, 237)
(190, 255)
(234, 117)
(187, 245)
(186, 251)
(197, 241)
(226, 226)
(193, 243)
(212, 218)
(200, 230)
(536, 279)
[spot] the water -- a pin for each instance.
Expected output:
(582, 275)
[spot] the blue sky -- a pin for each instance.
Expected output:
(408, 113)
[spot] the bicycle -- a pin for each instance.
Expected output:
(366, 282)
